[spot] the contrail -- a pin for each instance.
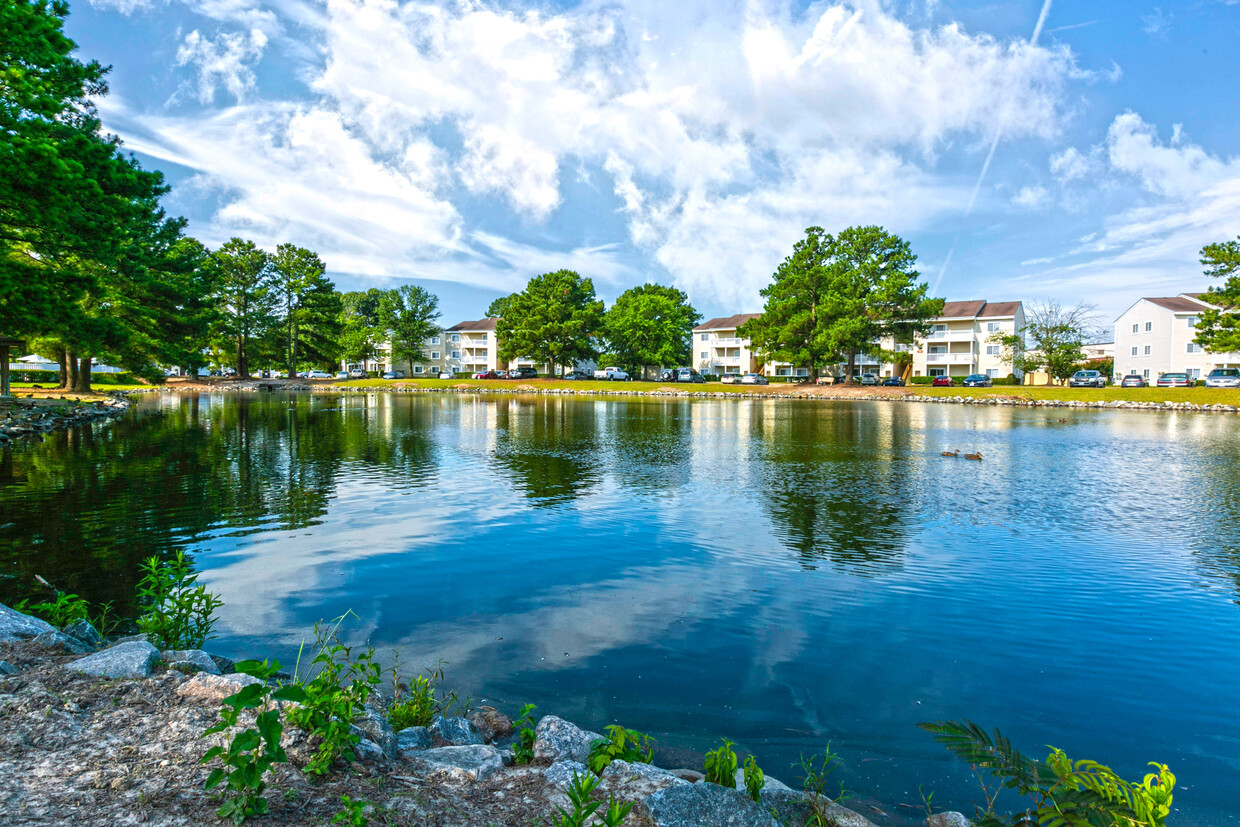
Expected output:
(994, 144)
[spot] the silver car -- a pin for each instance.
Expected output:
(1223, 378)
(754, 379)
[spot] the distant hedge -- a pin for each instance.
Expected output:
(920, 380)
(51, 377)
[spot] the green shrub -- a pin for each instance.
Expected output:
(816, 769)
(920, 380)
(1064, 793)
(583, 807)
(523, 747)
(177, 613)
(621, 745)
(65, 609)
(353, 814)
(754, 779)
(253, 750)
(416, 704)
(721, 765)
(334, 696)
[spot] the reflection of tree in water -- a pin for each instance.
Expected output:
(549, 448)
(835, 490)
(650, 443)
(1215, 544)
(151, 483)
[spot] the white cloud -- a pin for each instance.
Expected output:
(127, 6)
(1178, 170)
(1030, 197)
(1072, 165)
(1156, 23)
(223, 62)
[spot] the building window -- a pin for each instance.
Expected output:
(992, 327)
(1146, 373)
(456, 354)
(783, 371)
(1149, 326)
(1134, 351)
(936, 372)
(482, 337)
(455, 337)
(1194, 373)
(704, 354)
(417, 368)
(802, 372)
(1193, 347)
(992, 372)
(993, 350)
(1192, 321)
(1135, 328)
(937, 349)
(434, 354)
(704, 336)
(1147, 350)
(434, 340)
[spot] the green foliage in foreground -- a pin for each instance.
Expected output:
(721, 765)
(334, 696)
(583, 808)
(416, 704)
(253, 750)
(523, 747)
(621, 745)
(755, 779)
(1064, 793)
(815, 771)
(177, 612)
(353, 814)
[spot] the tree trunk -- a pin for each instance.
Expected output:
(243, 370)
(63, 373)
(852, 366)
(79, 371)
(71, 370)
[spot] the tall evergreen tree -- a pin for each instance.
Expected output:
(245, 298)
(310, 329)
(409, 314)
(1218, 331)
(361, 328)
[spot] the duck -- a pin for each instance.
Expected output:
(977, 456)
(955, 453)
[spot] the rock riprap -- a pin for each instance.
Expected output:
(207, 687)
(491, 723)
(456, 732)
(124, 660)
(694, 805)
(16, 626)
(474, 762)
(413, 738)
(190, 660)
(84, 631)
(374, 725)
(555, 739)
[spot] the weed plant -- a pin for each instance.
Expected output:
(252, 750)
(755, 779)
(177, 612)
(418, 702)
(334, 696)
(815, 772)
(583, 807)
(621, 745)
(721, 765)
(70, 608)
(523, 746)
(353, 813)
(1063, 792)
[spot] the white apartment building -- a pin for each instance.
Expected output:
(1155, 336)
(718, 349)
(471, 346)
(958, 343)
(382, 361)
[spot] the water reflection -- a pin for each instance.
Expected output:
(783, 573)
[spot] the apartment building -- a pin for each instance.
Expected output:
(434, 361)
(718, 349)
(1155, 336)
(959, 340)
(471, 346)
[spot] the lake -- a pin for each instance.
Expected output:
(783, 573)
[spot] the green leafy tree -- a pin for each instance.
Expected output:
(245, 297)
(1218, 331)
(1052, 340)
(409, 314)
(650, 325)
(311, 326)
(555, 320)
(361, 328)
(837, 297)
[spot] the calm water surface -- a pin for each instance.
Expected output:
(782, 573)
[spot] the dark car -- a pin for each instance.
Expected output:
(688, 375)
(1176, 380)
(576, 376)
(978, 380)
(942, 382)
(1133, 380)
(1087, 379)
(667, 375)
(525, 372)
(894, 382)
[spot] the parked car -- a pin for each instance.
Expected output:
(869, 379)
(978, 380)
(318, 374)
(524, 372)
(730, 378)
(754, 379)
(1176, 380)
(942, 382)
(228, 372)
(893, 382)
(394, 374)
(688, 375)
(1087, 379)
(358, 373)
(612, 374)
(1223, 378)
(486, 374)
(576, 376)
(502, 374)
(342, 374)
(1134, 380)
(445, 374)
(667, 375)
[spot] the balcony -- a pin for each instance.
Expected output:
(952, 336)
(726, 361)
(951, 358)
(726, 342)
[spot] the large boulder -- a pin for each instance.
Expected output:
(125, 660)
(561, 773)
(207, 687)
(634, 782)
(7, 668)
(459, 765)
(16, 626)
(85, 631)
(949, 819)
(768, 783)
(456, 732)
(190, 660)
(375, 725)
(58, 641)
(695, 805)
(793, 807)
(491, 723)
(555, 739)
(413, 738)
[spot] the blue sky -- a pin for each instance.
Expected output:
(469, 145)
